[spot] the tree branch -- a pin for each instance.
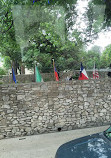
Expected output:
(8, 28)
(6, 15)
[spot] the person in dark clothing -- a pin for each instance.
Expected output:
(71, 78)
(109, 73)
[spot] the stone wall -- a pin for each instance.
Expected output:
(27, 78)
(27, 109)
(47, 77)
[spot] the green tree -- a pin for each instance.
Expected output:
(55, 44)
(2, 72)
(106, 57)
(8, 44)
(88, 59)
(47, 44)
(7, 62)
(107, 11)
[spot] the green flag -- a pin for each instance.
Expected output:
(38, 77)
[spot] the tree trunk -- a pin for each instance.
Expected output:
(14, 64)
(22, 69)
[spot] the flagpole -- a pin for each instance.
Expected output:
(53, 68)
(35, 72)
(94, 68)
(35, 63)
(12, 70)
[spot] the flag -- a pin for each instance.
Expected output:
(83, 75)
(13, 75)
(56, 74)
(95, 73)
(38, 77)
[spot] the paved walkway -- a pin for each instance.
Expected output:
(41, 146)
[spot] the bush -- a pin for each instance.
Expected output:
(75, 77)
(47, 79)
(2, 72)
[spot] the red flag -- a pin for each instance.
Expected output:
(56, 74)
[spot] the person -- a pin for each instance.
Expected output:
(71, 78)
(67, 78)
(109, 73)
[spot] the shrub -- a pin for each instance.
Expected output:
(2, 71)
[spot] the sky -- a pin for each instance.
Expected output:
(103, 40)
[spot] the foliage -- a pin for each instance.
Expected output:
(2, 71)
(8, 44)
(47, 44)
(49, 36)
(107, 11)
(88, 59)
(69, 56)
(7, 62)
(106, 57)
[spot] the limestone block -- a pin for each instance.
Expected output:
(86, 103)
(29, 118)
(40, 118)
(6, 106)
(67, 87)
(93, 118)
(3, 122)
(15, 122)
(27, 98)
(34, 124)
(80, 91)
(85, 99)
(50, 102)
(20, 97)
(82, 121)
(36, 88)
(27, 129)
(103, 111)
(54, 118)
(36, 109)
(1, 136)
(68, 100)
(14, 130)
(106, 105)
(80, 98)
(9, 111)
(9, 134)
(66, 104)
(41, 130)
(46, 114)
(81, 107)
(18, 134)
(5, 98)
(44, 87)
(101, 114)
(35, 117)
(60, 96)
(107, 118)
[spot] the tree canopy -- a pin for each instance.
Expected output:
(41, 31)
